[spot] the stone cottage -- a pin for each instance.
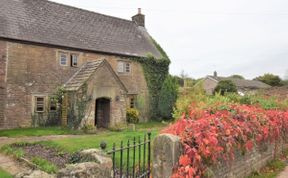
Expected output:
(243, 86)
(45, 46)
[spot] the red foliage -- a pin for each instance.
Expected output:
(209, 136)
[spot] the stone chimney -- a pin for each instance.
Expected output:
(139, 18)
(215, 74)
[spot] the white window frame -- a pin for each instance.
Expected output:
(41, 104)
(123, 67)
(62, 54)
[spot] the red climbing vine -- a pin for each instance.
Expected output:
(210, 135)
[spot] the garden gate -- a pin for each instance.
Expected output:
(132, 160)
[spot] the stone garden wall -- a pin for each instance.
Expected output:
(167, 150)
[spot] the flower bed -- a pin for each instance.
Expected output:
(214, 134)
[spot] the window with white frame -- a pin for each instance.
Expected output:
(123, 67)
(74, 60)
(39, 104)
(63, 59)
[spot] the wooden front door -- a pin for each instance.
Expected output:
(102, 114)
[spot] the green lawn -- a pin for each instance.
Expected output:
(93, 141)
(72, 145)
(4, 174)
(21, 132)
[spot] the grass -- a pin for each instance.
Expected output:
(10, 150)
(93, 141)
(21, 132)
(44, 165)
(4, 174)
(272, 169)
(72, 145)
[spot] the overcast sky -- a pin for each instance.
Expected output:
(246, 37)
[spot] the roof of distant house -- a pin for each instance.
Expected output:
(243, 83)
(45, 22)
(279, 92)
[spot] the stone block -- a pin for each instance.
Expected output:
(166, 152)
(85, 170)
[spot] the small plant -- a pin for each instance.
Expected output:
(132, 115)
(75, 158)
(11, 150)
(103, 145)
(44, 165)
(88, 128)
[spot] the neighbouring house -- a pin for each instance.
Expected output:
(46, 47)
(243, 86)
(277, 92)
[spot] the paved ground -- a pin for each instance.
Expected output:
(283, 174)
(14, 167)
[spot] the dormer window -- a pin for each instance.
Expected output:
(123, 67)
(74, 60)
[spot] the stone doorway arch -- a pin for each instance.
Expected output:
(102, 112)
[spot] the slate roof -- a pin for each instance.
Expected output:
(46, 22)
(85, 72)
(82, 75)
(242, 83)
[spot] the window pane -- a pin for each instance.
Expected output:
(74, 60)
(53, 105)
(39, 104)
(63, 59)
(127, 67)
(120, 67)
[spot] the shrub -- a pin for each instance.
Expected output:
(225, 86)
(211, 132)
(132, 115)
(270, 79)
(168, 97)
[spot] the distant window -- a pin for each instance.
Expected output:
(53, 105)
(39, 103)
(124, 67)
(74, 60)
(132, 102)
(63, 59)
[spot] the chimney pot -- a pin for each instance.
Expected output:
(215, 74)
(139, 18)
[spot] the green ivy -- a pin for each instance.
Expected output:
(155, 71)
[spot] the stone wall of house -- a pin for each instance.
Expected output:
(209, 85)
(35, 70)
(2, 82)
(165, 158)
(102, 84)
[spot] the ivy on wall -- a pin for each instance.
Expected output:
(78, 104)
(155, 71)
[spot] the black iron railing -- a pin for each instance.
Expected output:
(133, 159)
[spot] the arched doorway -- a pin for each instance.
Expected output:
(102, 113)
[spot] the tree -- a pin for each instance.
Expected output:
(225, 86)
(270, 79)
(179, 80)
(236, 76)
(168, 97)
